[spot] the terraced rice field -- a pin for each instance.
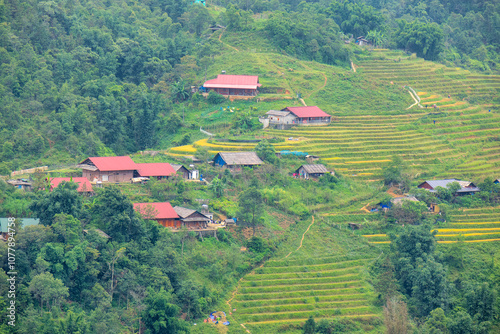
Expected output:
(470, 225)
(461, 143)
(291, 290)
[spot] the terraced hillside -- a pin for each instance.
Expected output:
(470, 225)
(428, 76)
(292, 290)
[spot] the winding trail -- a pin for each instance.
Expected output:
(226, 43)
(303, 235)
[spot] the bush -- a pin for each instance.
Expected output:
(215, 98)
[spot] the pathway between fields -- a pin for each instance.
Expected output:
(303, 235)
(226, 43)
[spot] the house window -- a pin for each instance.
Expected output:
(105, 177)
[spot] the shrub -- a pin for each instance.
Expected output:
(215, 98)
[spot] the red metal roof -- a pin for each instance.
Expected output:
(234, 81)
(84, 184)
(302, 112)
(155, 169)
(106, 164)
(161, 210)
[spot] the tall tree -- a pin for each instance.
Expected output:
(251, 207)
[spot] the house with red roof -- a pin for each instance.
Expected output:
(290, 116)
(162, 212)
(233, 85)
(84, 185)
(158, 170)
(108, 169)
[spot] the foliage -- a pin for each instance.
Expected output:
(63, 199)
(396, 316)
(265, 151)
(215, 98)
(310, 326)
(426, 39)
(250, 208)
(161, 316)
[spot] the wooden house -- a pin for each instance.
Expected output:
(84, 185)
(308, 115)
(182, 171)
(161, 212)
(108, 169)
(23, 184)
(233, 85)
(191, 219)
(362, 41)
(157, 170)
(311, 171)
(237, 159)
(466, 187)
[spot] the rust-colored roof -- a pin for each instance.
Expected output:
(155, 169)
(161, 210)
(84, 184)
(302, 112)
(233, 81)
(107, 164)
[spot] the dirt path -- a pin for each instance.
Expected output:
(390, 191)
(353, 67)
(226, 43)
(303, 235)
(365, 209)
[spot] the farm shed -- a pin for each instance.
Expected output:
(497, 181)
(309, 115)
(467, 187)
(233, 85)
(158, 170)
(191, 219)
(108, 169)
(162, 212)
(84, 185)
(23, 184)
(182, 171)
(280, 120)
(400, 200)
(308, 171)
(237, 159)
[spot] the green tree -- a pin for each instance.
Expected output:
(251, 208)
(310, 326)
(396, 316)
(113, 212)
(68, 228)
(63, 199)
(179, 91)
(48, 289)
(217, 187)
(425, 39)
(266, 151)
(161, 315)
(393, 173)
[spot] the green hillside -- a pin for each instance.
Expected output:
(421, 102)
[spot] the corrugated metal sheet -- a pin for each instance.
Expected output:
(84, 184)
(239, 158)
(155, 169)
(302, 112)
(314, 169)
(107, 164)
(233, 81)
(162, 210)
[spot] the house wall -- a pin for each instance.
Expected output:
(303, 173)
(113, 176)
(425, 185)
(288, 119)
(183, 172)
(218, 161)
(234, 91)
(171, 223)
(307, 120)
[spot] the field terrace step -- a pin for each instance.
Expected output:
(318, 313)
(333, 298)
(356, 317)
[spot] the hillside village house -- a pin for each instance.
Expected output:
(233, 85)
(158, 170)
(237, 159)
(191, 219)
(182, 171)
(467, 187)
(311, 171)
(84, 185)
(161, 212)
(290, 116)
(108, 169)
